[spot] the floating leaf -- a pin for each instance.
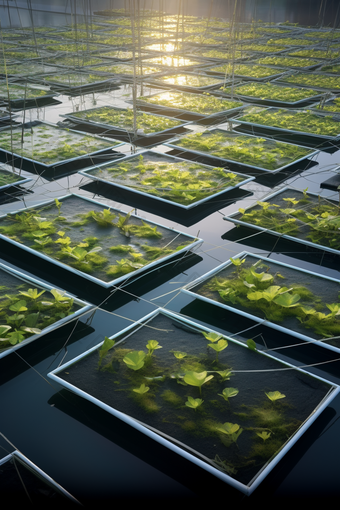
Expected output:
(194, 402)
(251, 344)
(180, 355)
(106, 346)
(228, 393)
(275, 395)
(211, 336)
(264, 435)
(142, 389)
(197, 378)
(135, 359)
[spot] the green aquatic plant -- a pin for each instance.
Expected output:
(251, 344)
(32, 293)
(179, 354)
(303, 121)
(135, 359)
(219, 346)
(225, 374)
(264, 435)
(104, 218)
(275, 395)
(106, 346)
(197, 379)
(142, 389)
(227, 393)
(211, 336)
(231, 430)
(152, 345)
(272, 92)
(245, 149)
(29, 316)
(194, 403)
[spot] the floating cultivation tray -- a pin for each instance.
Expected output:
(77, 83)
(51, 151)
(272, 94)
(289, 62)
(24, 481)
(31, 308)
(172, 62)
(121, 120)
(168, 179)
(317, 80)
(187, 81)
(126, 71)
(18, 95)
(239, 440)
(317, 128)
(9, 179)
(250, 152)
(197, 106)
(297, 216)
(244, 72)
(291, 300)
(103, 245)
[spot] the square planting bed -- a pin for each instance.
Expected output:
(20, 96)
(101, 244)
(168, 179)
(234, 413)
(273, 94)
(25, 481)
(30, 308)
(295, 301)
(299, 216)
(121, 120)
(9, 179)
(187, 81)
(244, 71)
(197, 106)
(48, 150)
(77, 83)
(272, 121)
(252, 153)
(318, 80)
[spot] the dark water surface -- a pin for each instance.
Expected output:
(93, 455)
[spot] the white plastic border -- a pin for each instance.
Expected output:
(253, 484)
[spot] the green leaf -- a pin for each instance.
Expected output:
(251, 344)
(135, 359)
(228, 393)
(142, 389)
(152, 345)
(19, 306)
(275, 395)
(106, 346)
(32, 293)
(211, 336)
(197, 378)
(228, 428)
(194, 402)
(263, 435)
(180, 355)
(287, 300)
